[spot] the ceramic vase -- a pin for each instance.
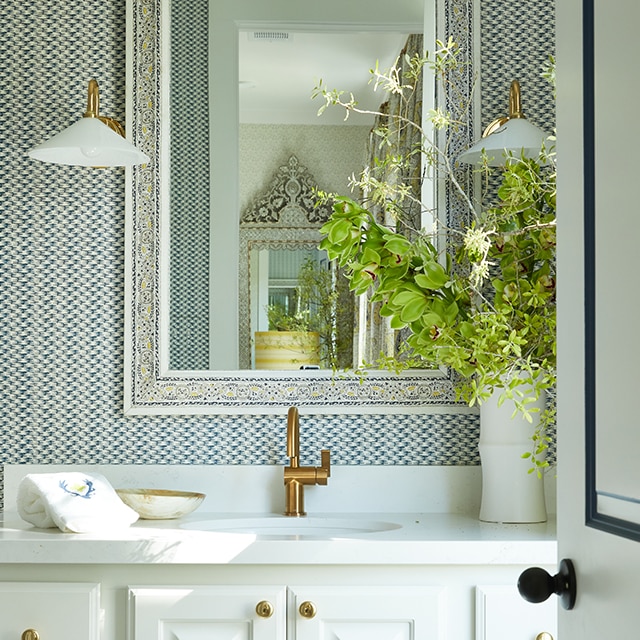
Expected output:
(287, 350)
(509, 492)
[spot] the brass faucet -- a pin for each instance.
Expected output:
(295, 476)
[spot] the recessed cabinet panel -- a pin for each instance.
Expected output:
(366, 613)
(359, 630)
(55, 610)
(207, 612)
(211, 629)
(502, 613)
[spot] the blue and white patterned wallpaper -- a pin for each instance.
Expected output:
(517, 39)
(189, 192)
(61, 253)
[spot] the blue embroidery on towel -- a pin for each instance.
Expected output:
(81, 490)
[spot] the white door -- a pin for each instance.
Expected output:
(607, 565)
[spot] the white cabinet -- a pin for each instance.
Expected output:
(502, 614)
(55, 611)
(148, 601)
(269, 602)
(207, 613)
(297, 613)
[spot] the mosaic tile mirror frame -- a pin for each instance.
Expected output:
(150, 388)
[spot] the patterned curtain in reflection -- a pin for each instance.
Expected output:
(375, 337)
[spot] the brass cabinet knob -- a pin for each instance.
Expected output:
(545, 635)
(30, 634)
(308, 609)
(264, 609)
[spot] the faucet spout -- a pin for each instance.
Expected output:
(293, 437)
(295, 476)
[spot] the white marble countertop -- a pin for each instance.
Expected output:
(422, 538)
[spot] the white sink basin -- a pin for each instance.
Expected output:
(305, 527)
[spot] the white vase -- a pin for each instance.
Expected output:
(509, 492)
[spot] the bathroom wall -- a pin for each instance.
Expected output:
(331, 153)
(61, 253)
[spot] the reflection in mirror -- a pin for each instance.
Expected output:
(286, 283)
(280, 305)
(298, 306)
(278, 70)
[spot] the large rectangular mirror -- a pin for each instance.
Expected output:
(183, 369)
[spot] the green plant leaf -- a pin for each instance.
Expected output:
(413, 309)
(434, 276)
(397, 244)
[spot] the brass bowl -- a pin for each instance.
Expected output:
(161, 504)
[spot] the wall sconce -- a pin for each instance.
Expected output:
(93, 141)
(506, 137)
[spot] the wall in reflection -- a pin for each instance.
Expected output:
(189, 192)
(331, 153)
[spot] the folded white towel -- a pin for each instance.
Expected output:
(72, 501)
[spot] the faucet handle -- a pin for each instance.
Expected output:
(323, 472)
(325, 460)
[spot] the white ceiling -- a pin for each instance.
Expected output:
(277, 75)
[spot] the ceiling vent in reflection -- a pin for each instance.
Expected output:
(271, 36)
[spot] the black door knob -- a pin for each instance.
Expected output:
(536, 585)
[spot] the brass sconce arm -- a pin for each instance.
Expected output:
(515, 110)
(93, 109)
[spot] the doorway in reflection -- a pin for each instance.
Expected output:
(299, 290)
(280, 303)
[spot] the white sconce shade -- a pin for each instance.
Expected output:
(508, 137)
(89, 143)
(93, 141)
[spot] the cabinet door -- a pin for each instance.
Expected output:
(502, 613)
(365, 613)
(55, 610)
(204, 612)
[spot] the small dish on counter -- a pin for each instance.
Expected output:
(161, 504)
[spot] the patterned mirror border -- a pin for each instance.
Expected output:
(147, 390)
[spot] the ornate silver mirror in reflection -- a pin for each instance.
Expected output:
(280, 228)
(286, 283)
(151, 386)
